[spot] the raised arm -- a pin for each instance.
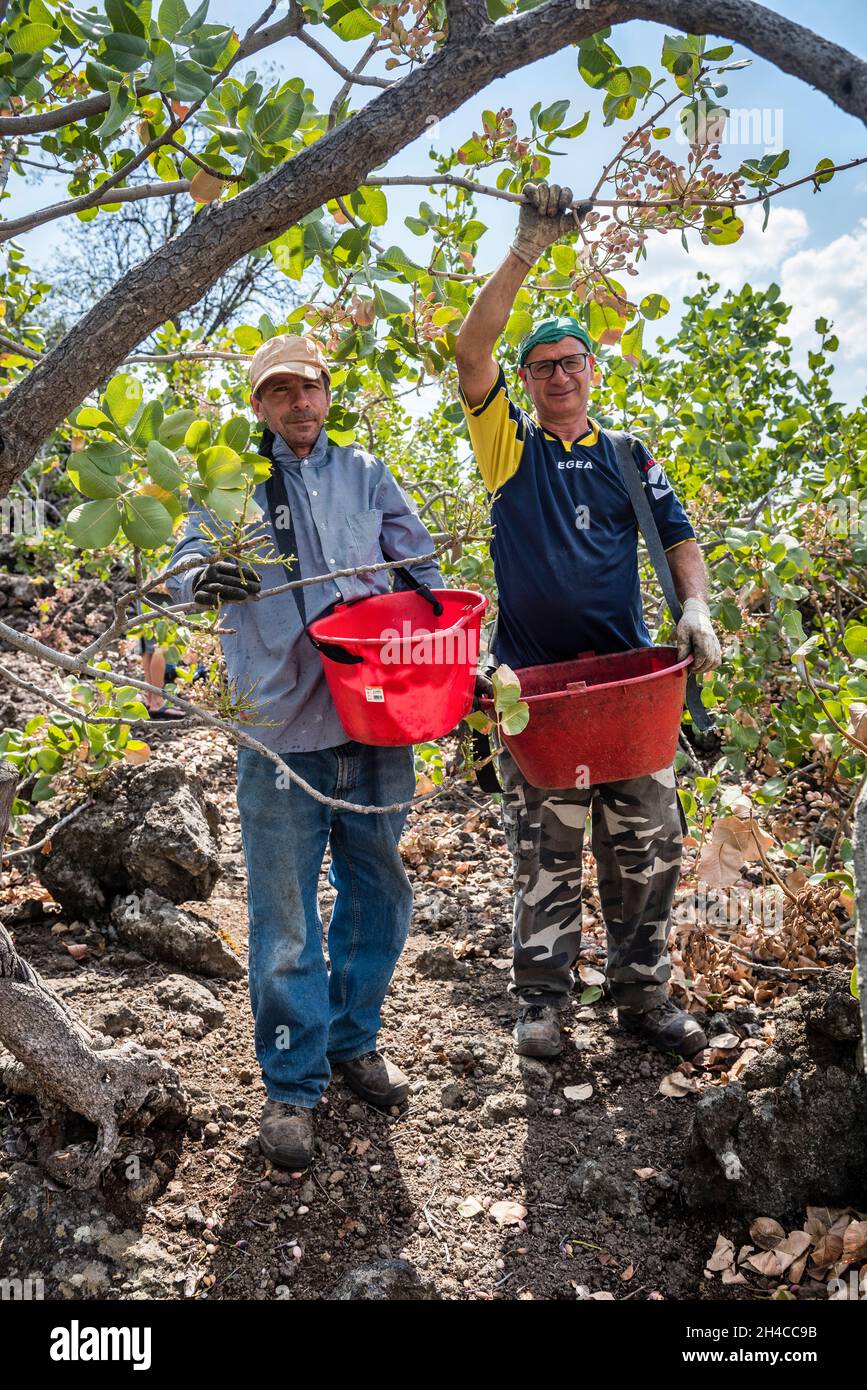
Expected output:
(545, 216)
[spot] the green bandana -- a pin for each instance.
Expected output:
(551, 331)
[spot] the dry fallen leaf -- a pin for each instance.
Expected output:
(855, 1241)
(766, 1232)
(645, 1173)
(359, 1146)
(723, 1256)
(678, 1085)
(726, 1041)
(765, 1262)
(469, 1207)
(76, 949)
(591, 976)
(583, 1092)
(507, 1213)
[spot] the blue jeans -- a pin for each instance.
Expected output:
(305, 1016)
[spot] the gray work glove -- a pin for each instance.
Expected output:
(225, 581)
(544, 218)
(695, 634)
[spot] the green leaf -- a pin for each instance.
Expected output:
(31, 38)
(145, 521)
(653, 306)
(853, 983)
(125, 51)
(552, 117)
(823, 172)
(276, 120)
(163, 466)
(479, 721)
(516, 719)
(192, 80)
(350, 20)
(93, 525)
(88, 416)
(123, 18)
(122, 398)
(90, 479)
(235, 433)
(855, 641)
(220, 467)
(122, 103)
(519, 324)
(147, 425)
(370, 205)
(288, 253)
(631, 343)
(563, 257)
(396, 259)
(173, 14)
(590, 995)
(190, 25)
(174, 427)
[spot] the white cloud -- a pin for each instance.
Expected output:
(831, 282)
(756, 257)
(824, 281)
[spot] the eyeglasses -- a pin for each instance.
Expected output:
(573, 365)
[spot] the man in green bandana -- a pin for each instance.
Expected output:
(566, 563)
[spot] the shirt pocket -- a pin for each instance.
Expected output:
(364, 530)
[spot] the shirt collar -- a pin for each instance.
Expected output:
(588, 439)
(284, 454)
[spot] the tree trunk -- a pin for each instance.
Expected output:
(63, 1065)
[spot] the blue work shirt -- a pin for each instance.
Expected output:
(347, 511)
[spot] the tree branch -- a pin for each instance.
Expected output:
(179, 273)
(75, 112)
(134, 194)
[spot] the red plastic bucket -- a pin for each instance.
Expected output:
(600, 718)
(416, 677)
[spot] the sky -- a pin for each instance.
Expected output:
(815, 245)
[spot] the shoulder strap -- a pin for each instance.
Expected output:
(629, 471)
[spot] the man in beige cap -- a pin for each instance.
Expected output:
(333, 507)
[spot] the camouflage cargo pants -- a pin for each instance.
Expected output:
(636, 840)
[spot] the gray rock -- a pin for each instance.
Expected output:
(148, 827)
(114, 1018)
(795, 1131)
(452, 1096)
(188, 996)
(166, 932)
(505, 1105)
(438, 963)
(388, 1281)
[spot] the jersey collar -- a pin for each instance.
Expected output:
(587, 440)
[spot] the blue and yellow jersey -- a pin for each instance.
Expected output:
(565, 543)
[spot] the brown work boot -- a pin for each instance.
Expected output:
(375, 1079)
(286, 1135)
(537, 1032)
(667, 1028)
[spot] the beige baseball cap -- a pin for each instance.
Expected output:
(302, 356)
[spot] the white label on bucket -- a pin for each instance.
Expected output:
(373, 694)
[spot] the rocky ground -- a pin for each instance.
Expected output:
(501, 1178)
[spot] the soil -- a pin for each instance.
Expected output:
(385, 1202)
